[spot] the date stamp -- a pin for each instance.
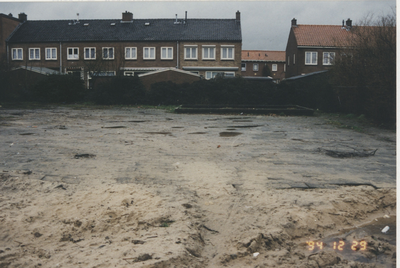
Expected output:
(339, 245)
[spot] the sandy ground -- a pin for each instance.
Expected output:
(146, 188)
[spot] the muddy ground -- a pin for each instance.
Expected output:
(134, 187)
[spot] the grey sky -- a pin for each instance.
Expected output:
(265, 24)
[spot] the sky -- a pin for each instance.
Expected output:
(265, 24)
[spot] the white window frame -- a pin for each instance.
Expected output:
(108, 49)
(90, 53)
(150, 51)
(254, 67)
(15, 53)
(211, 74)
(72, 56)
(35, 56)
(192, 53)
(207, 51)
(229, 74)
(311, 61)
(51, 49)
(328, 59)
(225, 52)
(274, 67)
(130, 49)
(243, 68)
(167, 50)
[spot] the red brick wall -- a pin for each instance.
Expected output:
(277, 75)
(119, 58)
(7, 26)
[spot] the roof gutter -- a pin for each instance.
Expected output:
(196, 68)
(318, 47)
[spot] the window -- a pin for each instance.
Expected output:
(288, 60)
(227, 53)
(329, 58)
(105, 73)
(255, 67)
(274, 67)
(208, 52)
(243, 67)
(34, 54)
(294, 59)
(166, 53)
(311, 58)
(51, 53)
(90, 53)
(130, 53)
(191, 53)
(73, 53)
(108, 53)
(149, 53)
(17, 53)
(210, 75)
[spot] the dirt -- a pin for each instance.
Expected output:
(130, 187)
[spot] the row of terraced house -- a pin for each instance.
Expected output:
(181, 49)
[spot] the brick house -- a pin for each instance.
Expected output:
(128, 46)
(7, 25)
(313, 48)
(258, 63)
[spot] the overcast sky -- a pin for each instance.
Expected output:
(265, 24)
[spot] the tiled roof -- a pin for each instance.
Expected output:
(321, 35)
(137, 30)
(263, 55)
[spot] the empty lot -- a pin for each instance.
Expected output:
(134, 187)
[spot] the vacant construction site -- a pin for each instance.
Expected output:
(134, 187)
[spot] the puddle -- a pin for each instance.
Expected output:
(159, 133)
(365, 243)
(198, 133)
(77, 156)
(115, 127)
(137, 121)
(229, 134)
(245, 126)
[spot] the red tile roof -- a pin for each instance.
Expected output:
(321, 35)
(263, 55)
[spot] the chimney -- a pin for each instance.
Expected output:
(127, 16)
(238, 16)
(185, 16)
(348, 23)
(22, 17)
(294, 22)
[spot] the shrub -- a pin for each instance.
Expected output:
(59, 89)
(118, 90)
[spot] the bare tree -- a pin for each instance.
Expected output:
(365, 71)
